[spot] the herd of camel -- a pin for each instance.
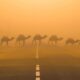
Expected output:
(52, 40)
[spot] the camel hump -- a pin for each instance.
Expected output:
(53, 37)
(4, 38)
(70, 40)
(21, 35)
(37, 35)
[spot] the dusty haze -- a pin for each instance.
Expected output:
(60, 17)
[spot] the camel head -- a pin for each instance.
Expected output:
(10, 39)
(77, 41)
(28, 37)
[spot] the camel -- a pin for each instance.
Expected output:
(38, 38)
(6, 40)
(54, 39)
(22, 38)
(79, 42)
(72, 41)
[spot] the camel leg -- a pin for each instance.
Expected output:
(7, 43)
(23, 43)
(79, 45)
(48, 42)
(1, 43)
(34, 42)
(39, 42)
(55, 43)
(19, 43)
(52, 43)
(16, 43)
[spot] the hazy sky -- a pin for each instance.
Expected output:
(60, 17)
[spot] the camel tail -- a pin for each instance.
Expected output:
(1, 43)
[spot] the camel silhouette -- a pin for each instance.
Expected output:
(38, 38)
(79, 42)
(72, 41)
(22, 38)
(54, 39)
(6, 40)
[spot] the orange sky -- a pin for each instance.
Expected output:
(60, 17)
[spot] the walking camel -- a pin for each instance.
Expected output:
(22, 38)
(72, 41)
(38, 38)
(54, 39)
(6, 40)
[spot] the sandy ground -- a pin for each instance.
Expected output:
(57, 63)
